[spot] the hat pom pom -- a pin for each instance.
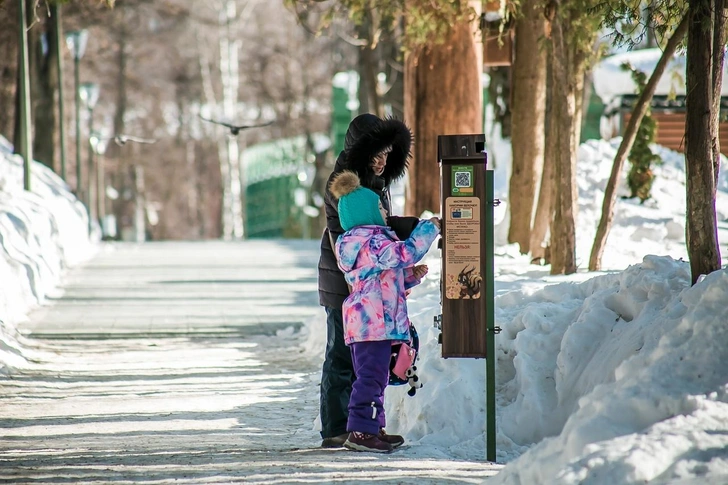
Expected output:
(344, 183)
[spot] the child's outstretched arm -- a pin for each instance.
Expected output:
(403, 254)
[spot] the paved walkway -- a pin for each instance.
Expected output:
(178, 363)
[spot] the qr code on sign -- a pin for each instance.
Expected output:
(462, 179)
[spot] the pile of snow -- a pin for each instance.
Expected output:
(42, 232)
(626, 373)
(615, 377)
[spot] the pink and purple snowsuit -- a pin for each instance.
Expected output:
(379, 268)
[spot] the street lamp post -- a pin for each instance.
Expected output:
(98, 144)
(76, 42)
(56, 13)
(89, 94)
(26, 147)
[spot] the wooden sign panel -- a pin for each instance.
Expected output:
(462, 169)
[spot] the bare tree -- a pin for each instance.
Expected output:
(158, 66)
(539, 245)
(572, 36)
(706, 42)
(8, 67)
(625, 146)
(43, 80)
(527, 122)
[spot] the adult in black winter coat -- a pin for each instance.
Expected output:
(378, 150)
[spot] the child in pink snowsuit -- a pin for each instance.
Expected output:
(379, 268)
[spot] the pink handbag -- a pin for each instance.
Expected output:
(404, 360)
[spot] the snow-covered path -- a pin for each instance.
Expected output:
(180, 362)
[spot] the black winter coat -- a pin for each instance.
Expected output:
(366, 136)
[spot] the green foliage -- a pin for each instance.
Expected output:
(430, 22)
(580, 29)
(583, 23)
(426, 22)
(632, 20)
(641, 158)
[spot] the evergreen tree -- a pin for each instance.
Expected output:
(641, 157)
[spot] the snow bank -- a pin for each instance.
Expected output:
(638, 388)
(42, 233)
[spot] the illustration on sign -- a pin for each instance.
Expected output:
(462, 248)
(470, 281)
(462, 181)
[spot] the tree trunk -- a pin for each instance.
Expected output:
(229, 153)
(368, 67)
(565, 73)
(719, 41)
(442, 97)
(123, 208)
(630, 133)
(369, 73)
(8, 68)
(43, 84)
(17, 138)
(394, 95)
(579, 60)
(701, 134)
(545, 207)
(122, 60)
(499, 96)
(527, 123)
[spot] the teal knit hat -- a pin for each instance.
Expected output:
(358, 206)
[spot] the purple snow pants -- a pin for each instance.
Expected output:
(371, 367)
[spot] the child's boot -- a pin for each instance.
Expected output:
(393, 439)
(367, 442)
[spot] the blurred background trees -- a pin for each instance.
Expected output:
(170, 74)
(159, 67)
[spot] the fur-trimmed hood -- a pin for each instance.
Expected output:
(368, 135)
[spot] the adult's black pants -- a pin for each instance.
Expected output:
(337, 377)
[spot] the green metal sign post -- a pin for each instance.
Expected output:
(491, 202)
(467, 276)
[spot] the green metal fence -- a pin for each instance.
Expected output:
(273, 172)
(344, 106)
